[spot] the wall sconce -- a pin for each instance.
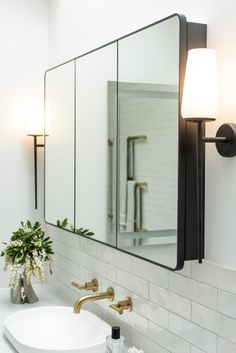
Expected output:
(200, 105)
(34, 127)
(36, 146)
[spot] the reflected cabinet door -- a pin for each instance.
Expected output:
(95, 152)
(148, 103)
(59, 145)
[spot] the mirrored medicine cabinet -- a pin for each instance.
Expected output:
(119, 158)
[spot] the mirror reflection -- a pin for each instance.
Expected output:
(148, 142)
(94, 144)
(59, 145)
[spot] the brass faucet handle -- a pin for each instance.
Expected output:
(122, 305)
(93, 285)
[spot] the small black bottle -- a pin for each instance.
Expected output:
(115, 342)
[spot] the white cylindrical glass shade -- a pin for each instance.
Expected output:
(34, 122)
(200, 95)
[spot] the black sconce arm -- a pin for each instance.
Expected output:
(214, 139)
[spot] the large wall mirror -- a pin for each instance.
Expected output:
(115, 153)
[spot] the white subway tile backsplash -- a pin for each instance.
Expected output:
(90, 247)
(136, 321)
(167, 340)
(79, 257)
(97, 266)
(56, 259)
(69, 239)
(54, 283)
(224, 346)
(123, 261)
(150, 272)
(93, 248)
(196, 350)
(189, 311)
(136, 284)
(205, 317)
(193, 290)
(227, 303)
(142, 342)
(56, 247)
(70, 267)
(108, 254)
(86, 275)
(169, 300)
(151, 311)
(215, 322)
(120, 291)
(120, 258)
(70, 253)
(214, 275)
(194, 334)
(63, 277)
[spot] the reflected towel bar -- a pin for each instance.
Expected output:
(130, 154)
(139, 185)
(110, 166)
(135, 138)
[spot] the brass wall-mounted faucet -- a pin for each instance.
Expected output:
(93, 285)
(122, 305)
(109, 294)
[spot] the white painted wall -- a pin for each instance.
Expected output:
(23, 59)
(77, 26)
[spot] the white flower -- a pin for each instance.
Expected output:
(15, 273)
(14, 243)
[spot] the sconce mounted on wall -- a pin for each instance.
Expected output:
(36, 146)
(199, 105)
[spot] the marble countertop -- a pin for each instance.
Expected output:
(46, 298)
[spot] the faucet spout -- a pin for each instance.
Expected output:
(109, 294)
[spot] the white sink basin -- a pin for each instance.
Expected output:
(56, 329)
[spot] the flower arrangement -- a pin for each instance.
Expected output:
(26, 253)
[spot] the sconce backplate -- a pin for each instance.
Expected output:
(228, 148)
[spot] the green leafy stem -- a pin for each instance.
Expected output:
(65, 225)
